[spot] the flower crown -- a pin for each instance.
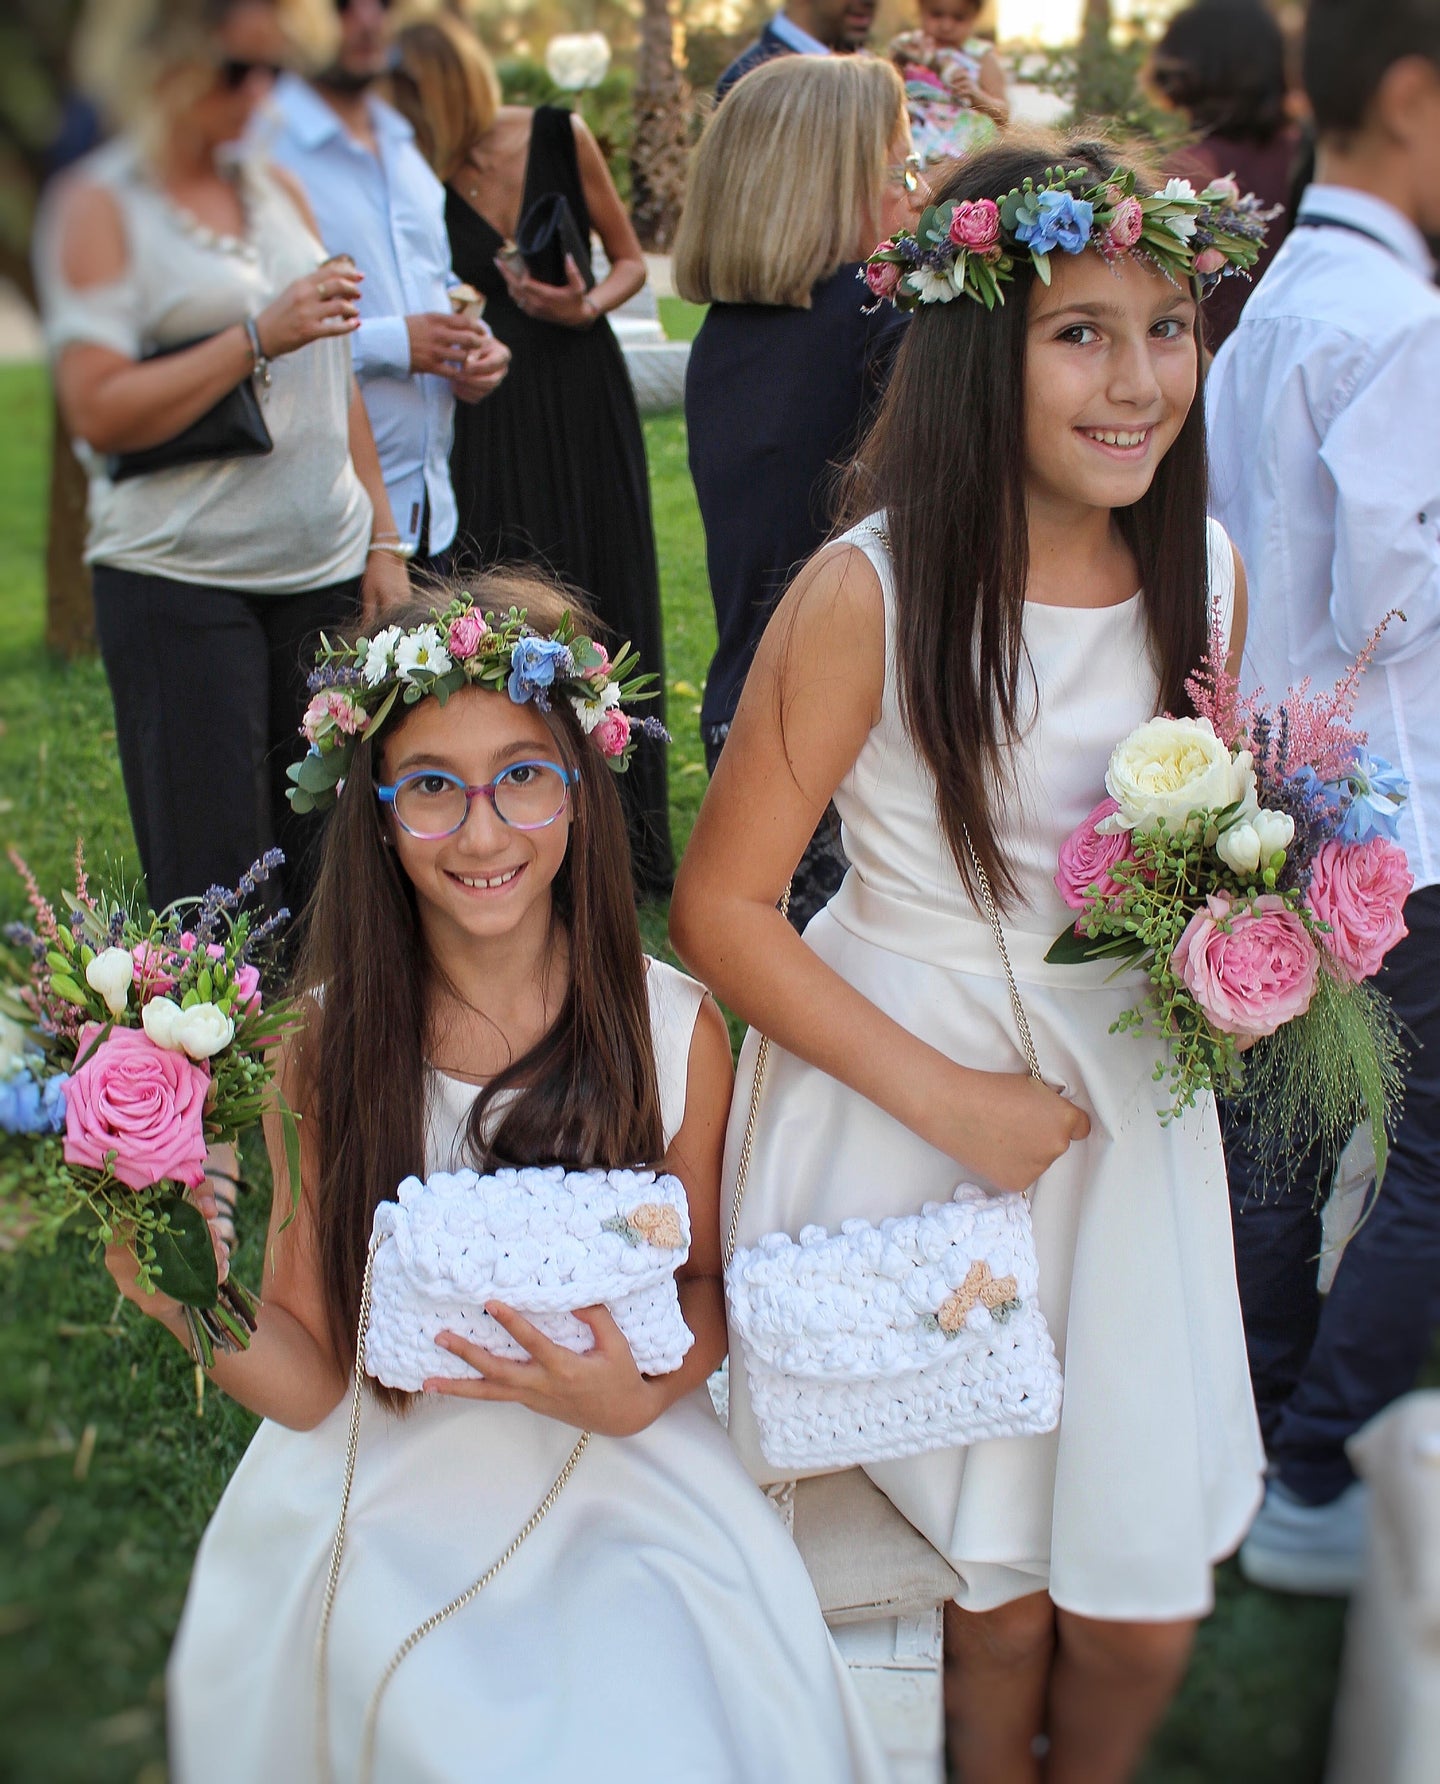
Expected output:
(355, 687)
(969, 248)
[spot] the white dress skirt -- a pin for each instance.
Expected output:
(658, 1625)
(1155, 1469)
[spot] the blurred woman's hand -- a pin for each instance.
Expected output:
(569, 305)
(325, 302)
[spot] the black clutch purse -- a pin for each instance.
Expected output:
(546, 234)
(234, 428)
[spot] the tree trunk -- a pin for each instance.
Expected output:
(69, 611)
(1094, 93)
(661, 147)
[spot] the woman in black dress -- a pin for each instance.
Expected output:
(553, 470)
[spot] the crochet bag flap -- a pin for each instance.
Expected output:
(886, 1339)
(544, 1241)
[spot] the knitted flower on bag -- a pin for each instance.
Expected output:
(355, 688)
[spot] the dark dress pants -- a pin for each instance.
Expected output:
(209, 688)
(1322, 1366)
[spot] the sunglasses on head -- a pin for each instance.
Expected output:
(234, 71)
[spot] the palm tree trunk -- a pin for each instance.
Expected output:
(69, 611)
(661, 147)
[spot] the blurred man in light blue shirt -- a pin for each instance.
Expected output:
(375, 199)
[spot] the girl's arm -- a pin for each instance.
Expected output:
(812, 697)
(289, 1373)
(987, 94)
(570, 304)
(602, 1390)
(386, 579)
(1240, 614)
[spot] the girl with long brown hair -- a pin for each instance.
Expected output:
(1023, 578)
(475, 994)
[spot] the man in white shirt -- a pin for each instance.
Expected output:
(376, 199)
(1324, 414)
(804, 28)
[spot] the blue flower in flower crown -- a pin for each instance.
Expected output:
(1377, 791)
(1045, 221)
(534, 664)
(32, 1106)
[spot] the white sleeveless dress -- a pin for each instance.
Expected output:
(1155, 1470)
(658, 1625)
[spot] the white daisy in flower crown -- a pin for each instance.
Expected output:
(357, 687)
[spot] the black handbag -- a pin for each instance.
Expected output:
(234, 428)
(546, 234)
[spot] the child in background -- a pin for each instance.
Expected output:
(956, 96)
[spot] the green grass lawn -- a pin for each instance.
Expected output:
(107, 1476)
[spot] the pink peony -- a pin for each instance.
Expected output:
(348, 717)
(464, 635)
(1254, 974)
(1125, 225)
(1359, 889)
(976, 225)
(1209, 260)
(612, 735)
(1086, 859)
(314, 717)
(883, 276)
(141, 1102)
(247, 987)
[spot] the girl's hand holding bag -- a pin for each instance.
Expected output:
(881, 1341)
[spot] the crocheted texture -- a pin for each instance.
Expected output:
(876, 1342)
(543, 1241)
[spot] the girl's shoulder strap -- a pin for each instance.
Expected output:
(1221, 556)
(675, 1001)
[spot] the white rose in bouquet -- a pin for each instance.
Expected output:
(1171, 769)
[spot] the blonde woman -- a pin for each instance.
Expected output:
(801, 171)
(551, 468)
(172, 270)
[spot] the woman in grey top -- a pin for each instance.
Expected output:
(211, 578)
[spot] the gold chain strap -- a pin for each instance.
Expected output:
(418, 1634)
(762, 1055)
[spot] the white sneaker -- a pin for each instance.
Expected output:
(1313, 1549)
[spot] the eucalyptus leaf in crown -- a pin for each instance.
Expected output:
(969, 247)
(355, 688)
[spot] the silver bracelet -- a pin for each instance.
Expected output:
(260, 367)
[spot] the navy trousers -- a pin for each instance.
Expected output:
(1322, 1366)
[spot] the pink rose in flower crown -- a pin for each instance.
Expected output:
(612, 735)
(602, 669)
(976, 225)
(1250, 968)
(1086, 858)
(883, 276)
(464, 635)
(1209, 260)
(1125, 226)
(141, 1102)
(1359, 889)
(348, 717)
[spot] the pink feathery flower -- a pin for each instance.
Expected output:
(1214, 689)
(1319, 732)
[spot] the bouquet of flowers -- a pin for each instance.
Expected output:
(132, 1043)
(1246, 860)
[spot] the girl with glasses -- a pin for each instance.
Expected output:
(476, 994)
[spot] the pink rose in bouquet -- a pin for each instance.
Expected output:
(1359, 889)
(247, 987)
(883, 276)
(141, 1102)
(612, 734)
(153, 970)
(1086, 858)
(975, 225)
(1251, 969)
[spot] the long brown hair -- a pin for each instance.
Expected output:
(588, 1093)
(945, 459)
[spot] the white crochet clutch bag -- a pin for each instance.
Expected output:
(542, 1240)
(922, 1332)
(879, 1341)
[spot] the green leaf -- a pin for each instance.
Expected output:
(1041, 263)
(64, 986)
(1070, 949)
(184, 1256)
(290, 1129)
